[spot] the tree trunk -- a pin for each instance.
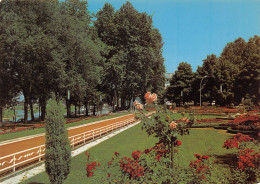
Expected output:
(1, 115)
(129, 103)
(32, 114)
(14, 114)
(94, 110)
(43, 109)
(117, 100)
(68, 108)
(39, 111)
(79, 109)
(86, 106)
(122, 103)
(75, 115)
(25, 109)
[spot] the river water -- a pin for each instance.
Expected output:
(20, 114)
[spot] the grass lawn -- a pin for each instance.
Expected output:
(201, 141)
(14, 135)
(127, 141)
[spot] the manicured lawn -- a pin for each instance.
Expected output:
(42, 130)
(126, 142)
(201, 141)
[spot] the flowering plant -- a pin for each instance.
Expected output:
(162, 125)
(142, 166)
(248, 159)
(201, 166)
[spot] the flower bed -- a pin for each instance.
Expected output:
(213, 120)
(22, 127)
(247, 124)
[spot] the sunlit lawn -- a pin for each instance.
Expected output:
(14, 135)
(202, 141)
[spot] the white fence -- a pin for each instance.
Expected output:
(13, 161)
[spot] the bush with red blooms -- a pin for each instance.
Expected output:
(237, 141)
(200, 166)
(213, 120)
(209, 112)
(91, 166)
(138, 167)
(247, 122)
(131, 167)
(232, 110)
(248, 159)
(247, 119)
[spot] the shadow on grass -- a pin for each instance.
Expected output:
(35, 183)
(229, 159)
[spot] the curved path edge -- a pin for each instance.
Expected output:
(41, 134)
(26, 174)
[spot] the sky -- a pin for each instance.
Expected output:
(193, 29)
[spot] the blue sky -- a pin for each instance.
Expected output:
(193, 29)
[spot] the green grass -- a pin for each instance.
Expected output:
(126, 142)
(14, 135)
(201, 141)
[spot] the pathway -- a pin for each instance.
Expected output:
(16, 145)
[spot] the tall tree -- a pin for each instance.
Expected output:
(58, 151)
(181, 84)
(82, 56)
(134, 56)
(247, 82)
(210, 86)
(27, 45)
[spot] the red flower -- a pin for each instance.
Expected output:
(205, 157)
(116, 153)
(231, 143)
(197, 156)
(136, 154)
(178, 143)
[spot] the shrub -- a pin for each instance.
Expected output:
(248, 159)
(58, 151)
(200, 167)
(249, 106)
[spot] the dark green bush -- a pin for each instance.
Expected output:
(249, 106)
(58, 151)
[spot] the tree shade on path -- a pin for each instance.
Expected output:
(17, 146)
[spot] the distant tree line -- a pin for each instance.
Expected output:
(233, 76)
(48, 46)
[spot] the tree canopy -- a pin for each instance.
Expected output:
(55, 47)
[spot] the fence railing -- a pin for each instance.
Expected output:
(13, 161)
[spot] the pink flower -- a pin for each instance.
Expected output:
(147, 95)
(150, 98)
(139, 106)
(136, 102)
(153, 97)
(173, 125)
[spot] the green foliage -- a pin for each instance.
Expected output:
(249, 106)
(181, 84)
(58, 151)
(134, 62)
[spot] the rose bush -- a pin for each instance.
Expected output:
(248, 159)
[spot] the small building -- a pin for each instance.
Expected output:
(168, 77)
